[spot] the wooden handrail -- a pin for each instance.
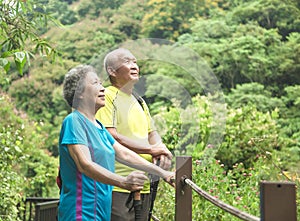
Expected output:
(277, 199)
(230, 209)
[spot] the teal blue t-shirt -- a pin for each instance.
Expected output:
(81, 197)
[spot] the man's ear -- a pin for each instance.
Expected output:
(111, 71)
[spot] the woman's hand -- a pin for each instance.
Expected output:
(170, 178)
(135, 181)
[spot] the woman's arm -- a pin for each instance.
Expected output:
(81, 156)
(130, 158)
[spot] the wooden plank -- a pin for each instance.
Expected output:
(183, 195)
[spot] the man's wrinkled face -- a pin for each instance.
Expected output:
(126, 68)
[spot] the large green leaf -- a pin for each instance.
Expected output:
(5, 64)
(20, 60)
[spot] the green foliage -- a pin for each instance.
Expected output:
(82, 41)
(39, 94)
(23, 160)
(168, 124)
(253, 48)
(127, 18)
(252, 150)
(69, 1)
(198, 121)
(61, 11)
(159, 75)
(41, 167)
(33, 96)
(284, 15)
(247, 51)
(248, 133)
(292, 101)
(285, 114)
(169, 19)
(237, 53)
(185, 131)
(41, 98)
(18, 35)
(42, 71)
(289, 60)
(93, 9)
(40, 176)
(253, 94)
(290, 128)
(238, 187)
(11, 182)
(159, 22)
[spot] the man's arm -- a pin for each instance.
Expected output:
(140, 147)
(165, 159)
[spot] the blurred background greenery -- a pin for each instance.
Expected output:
(252, 47)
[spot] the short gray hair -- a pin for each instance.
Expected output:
(112, 60)
(74, 84)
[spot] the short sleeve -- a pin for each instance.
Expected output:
(110, 138)
(107, 114)
(73, 131)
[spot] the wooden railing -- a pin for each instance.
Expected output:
(46, 211)
(277, 199)
(39, 209)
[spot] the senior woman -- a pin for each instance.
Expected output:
(87, 153)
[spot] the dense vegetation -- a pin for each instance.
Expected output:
(221, 77)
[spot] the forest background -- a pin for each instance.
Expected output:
(251, 47)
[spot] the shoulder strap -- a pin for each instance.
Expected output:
(138, 98)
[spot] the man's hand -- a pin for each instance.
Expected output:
(161, 152)
(135, 181)
(160, 149)
(164, 162)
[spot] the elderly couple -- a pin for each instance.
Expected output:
(108, 135)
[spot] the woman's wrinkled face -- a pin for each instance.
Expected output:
(93, 93)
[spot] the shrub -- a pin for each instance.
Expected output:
(26, 168)
(238, 187)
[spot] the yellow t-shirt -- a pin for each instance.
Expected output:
(123, 112)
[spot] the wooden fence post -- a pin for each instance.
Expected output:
(278, 201)
(183, 196)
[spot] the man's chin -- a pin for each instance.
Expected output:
(135, 79)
